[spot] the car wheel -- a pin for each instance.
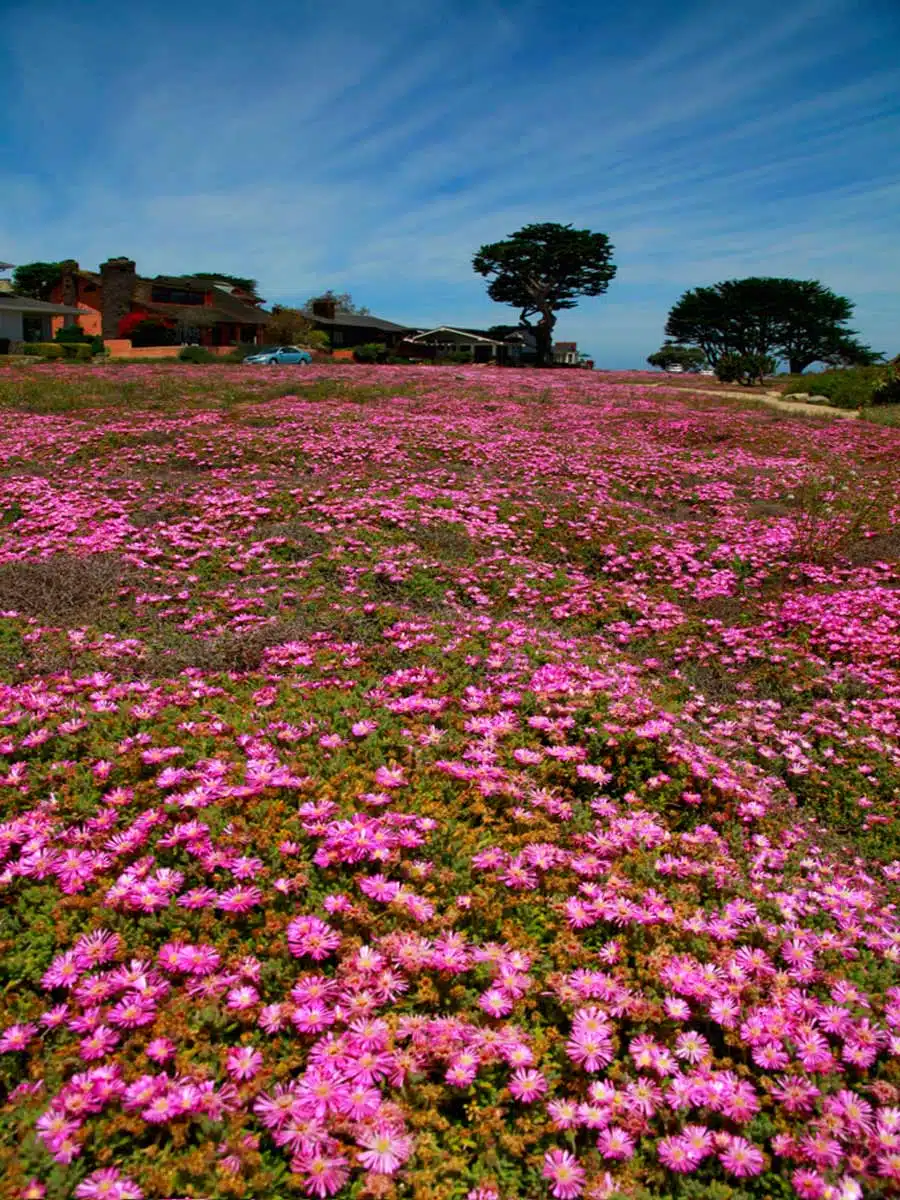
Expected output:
(273, 362)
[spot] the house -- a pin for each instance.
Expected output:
(205, 312)
(346, 330)
(5, 284)
(565, 353)
(25, 320)
(444, 340)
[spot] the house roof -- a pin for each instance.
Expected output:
(355, 321)
(25, 304)
(226, 307)
(6, 266)
(464, 333)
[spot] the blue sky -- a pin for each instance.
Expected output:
(373, 148)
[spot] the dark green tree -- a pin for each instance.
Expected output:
(542, 269)
(799, 320)
(37, 279)
(343, 302)
(689, 358)
(241, 281)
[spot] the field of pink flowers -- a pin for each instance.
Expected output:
(444, 784)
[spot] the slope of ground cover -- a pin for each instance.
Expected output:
(444, 783)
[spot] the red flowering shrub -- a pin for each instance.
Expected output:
(144, 330)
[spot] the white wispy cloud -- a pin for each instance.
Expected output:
(377, 149)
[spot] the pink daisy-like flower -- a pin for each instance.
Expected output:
(677, 1155)
(311, 937)
(108, 1184)
(495, 1002)
(98, 1044)
(384, 1150)
(527, 1085)
(323, 1174)
(741, 1158)
(17, 1037)
(243, 1062)
(160, 1049)
(565, 1173)
(615, 1143)
(241, 998)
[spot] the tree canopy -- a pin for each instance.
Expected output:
(543, 268)
(241, 281)
(689, 358)
(37, 279)
(801, 321)
(343, 302)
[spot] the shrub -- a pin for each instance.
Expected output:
(195, 354)
(44, 349)
(887, 390)
(71, 333)
(744, 368)
(370, 352)
(4, 345)
(146, 331)
(79, 351)
(854, 387)
(242, 351)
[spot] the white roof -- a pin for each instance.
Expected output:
(463, 333)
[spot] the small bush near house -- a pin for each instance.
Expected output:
(456, 357)
(71, 333)
(77, 351)
(4, 345)
(371, 352)
(195, 354)
(43, 349)
(855, 387)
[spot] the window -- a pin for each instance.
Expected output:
(337, 338)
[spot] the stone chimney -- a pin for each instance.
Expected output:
(119, 277)
(69, 280)
(324, 307)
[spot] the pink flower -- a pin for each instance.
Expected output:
(324, 1174)
(677, 1155)
(108, 1184)
(741, 1158)
(565, 1173)
(160, 1049)
(615, 1143)
(241, 998)
(243, 1062)
(17, 1037)
(527, 1085)
(311, 937)
(384, 1150)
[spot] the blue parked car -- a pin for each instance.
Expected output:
(281, 356)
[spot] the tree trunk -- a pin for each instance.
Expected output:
(798, 365)
(543, 333)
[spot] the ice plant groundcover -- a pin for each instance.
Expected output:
(444, 783)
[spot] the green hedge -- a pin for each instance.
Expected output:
(79, 351)
(196, 354)
(855, 387)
